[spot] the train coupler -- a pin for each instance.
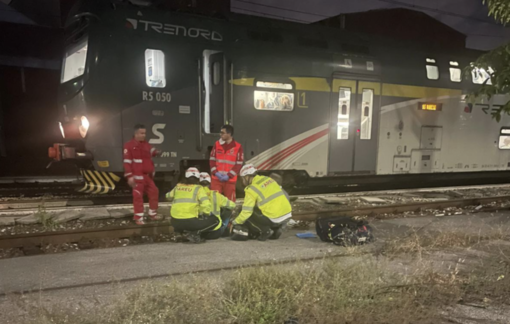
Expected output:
(59, 152)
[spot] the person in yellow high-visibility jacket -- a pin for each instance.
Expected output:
(266, 208)
(191, 208)
(222, 207)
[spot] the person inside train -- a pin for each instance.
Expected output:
(191, 208)
(265, 209)
(222, 207)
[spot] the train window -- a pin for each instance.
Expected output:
(278, 101)
(480, 75)
(367, 104)
(455, 72)
(504, 142)
(216, 73)
(273, 100)
(504, 139)
(432, 69)
(74, 62)
(344, 107)
(155, 68)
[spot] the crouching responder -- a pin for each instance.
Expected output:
(222, 207)
(278, 178)
(191, 208)
(266, 208)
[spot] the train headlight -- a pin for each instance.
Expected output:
(84, 127)
(62, 129)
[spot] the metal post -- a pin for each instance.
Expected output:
(199, 144)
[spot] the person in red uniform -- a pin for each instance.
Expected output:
(226, 161)
(139, 173)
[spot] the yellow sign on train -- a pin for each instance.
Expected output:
(430, 106)
(103, 164)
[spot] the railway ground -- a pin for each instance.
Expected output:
(429, 269)
(29, 227)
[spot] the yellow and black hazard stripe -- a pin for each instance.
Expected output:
(97, 182)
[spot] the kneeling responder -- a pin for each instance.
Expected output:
(221, 207)
(266, 208)
(191, 208)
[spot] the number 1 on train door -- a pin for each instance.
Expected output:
(302, 100)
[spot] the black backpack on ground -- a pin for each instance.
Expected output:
(344, 231)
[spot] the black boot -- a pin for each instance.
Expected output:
(194, 237)
(276, 234)
(265, 235)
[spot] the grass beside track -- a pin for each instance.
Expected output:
(361, 289)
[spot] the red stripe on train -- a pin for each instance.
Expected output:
(282, 155)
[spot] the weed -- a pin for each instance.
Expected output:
(419, 243)
(45, 218)
(356, 289)
(329, 292)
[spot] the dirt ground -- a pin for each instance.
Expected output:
(446, 269)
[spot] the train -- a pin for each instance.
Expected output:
(306, 101)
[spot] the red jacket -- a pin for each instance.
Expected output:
(216, 159)
(138, 159)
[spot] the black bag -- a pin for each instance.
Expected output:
(343, 231)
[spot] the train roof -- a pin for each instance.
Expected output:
(322, 36)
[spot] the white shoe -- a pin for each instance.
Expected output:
(156, 217)
(140, 221)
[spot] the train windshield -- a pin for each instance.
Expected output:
(74, 61)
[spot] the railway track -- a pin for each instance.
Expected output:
(86, 236)
(68, 186)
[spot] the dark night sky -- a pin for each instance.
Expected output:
(467, 16)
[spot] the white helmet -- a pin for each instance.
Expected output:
(204, 176)
(247, 170)
(192, 172)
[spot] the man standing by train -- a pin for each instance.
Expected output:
(226, 161)
(139, 172)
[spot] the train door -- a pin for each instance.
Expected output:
(215, 103)
(353, 132)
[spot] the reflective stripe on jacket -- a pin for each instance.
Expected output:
(188, 201)
(226, 160)
(137, 159)
(266, 194)
(218, 201)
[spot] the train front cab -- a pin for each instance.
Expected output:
(74, 97)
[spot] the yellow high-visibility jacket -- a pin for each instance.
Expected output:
(218, 201)
(266, 194)
(188, 201)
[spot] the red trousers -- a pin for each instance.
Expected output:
(227, 189)
(145, 186)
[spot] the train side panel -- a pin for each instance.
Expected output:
(446, 135)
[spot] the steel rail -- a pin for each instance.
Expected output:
(115, 232)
